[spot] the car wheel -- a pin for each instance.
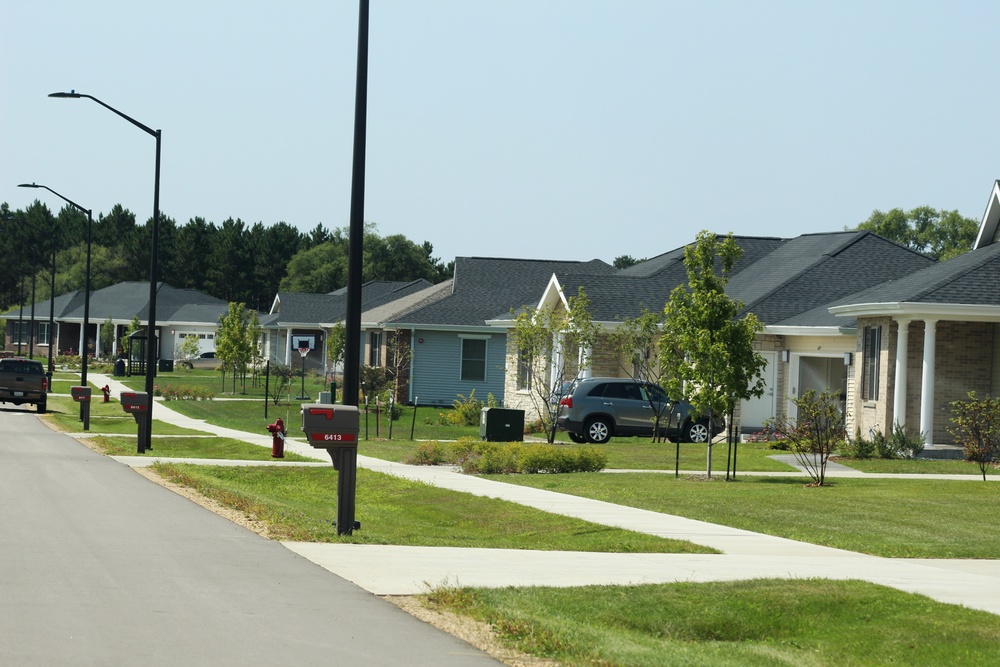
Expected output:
(696, 432)
(40, 408)
(576, 437)
(598, 430)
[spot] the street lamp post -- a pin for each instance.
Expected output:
(86, 290)
(145, 435)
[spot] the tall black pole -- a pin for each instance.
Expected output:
(146, 439)
(52, 309)
(20, 317)
(86, 300)
(84, 353)
(34, 275)
(352, 353)
(145, 433)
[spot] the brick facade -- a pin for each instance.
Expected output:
(963, 363)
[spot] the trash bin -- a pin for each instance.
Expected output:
(501, 425)
(166, 365)
(120, 368)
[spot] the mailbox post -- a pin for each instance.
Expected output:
(335, 429)
(136, 403)
(82, 396)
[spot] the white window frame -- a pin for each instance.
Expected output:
(462, 358)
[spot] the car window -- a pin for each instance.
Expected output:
(21, 367)
(598, 389)
(629, 390)
(654, 393)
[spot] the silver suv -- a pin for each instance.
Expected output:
(598, 408)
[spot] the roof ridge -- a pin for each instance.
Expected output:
(816, 261)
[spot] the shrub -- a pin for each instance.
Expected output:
(429, 454)
(897, 445)
(504, 458)
(859, 447)
(170, 393)
(903, 444)
(516, 457)
(467, 410)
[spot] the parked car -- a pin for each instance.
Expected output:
(205, 360)
(597, 409)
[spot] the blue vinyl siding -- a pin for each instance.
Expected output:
(436, 368)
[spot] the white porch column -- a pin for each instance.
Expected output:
(555, 377)
(288, 347)
(82, 349)
(902, 348)
(927, 381)
(584, 362)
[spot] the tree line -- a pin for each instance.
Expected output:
(233, 261)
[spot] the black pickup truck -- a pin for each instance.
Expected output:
(23, 381)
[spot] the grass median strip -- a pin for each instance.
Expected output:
(300, 504)
(895, 518)
(758, 622)
(195, 448)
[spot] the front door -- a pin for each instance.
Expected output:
(755, 411)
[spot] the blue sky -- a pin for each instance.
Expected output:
(515, 128)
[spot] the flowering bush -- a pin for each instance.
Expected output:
(170, 393)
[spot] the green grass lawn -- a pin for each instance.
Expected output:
(745, 623)
(300, 504)
(64, 414)
(917, 466)
(883, 517)
(762, 622)
(211, 447)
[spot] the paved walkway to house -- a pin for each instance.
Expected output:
(397, 570)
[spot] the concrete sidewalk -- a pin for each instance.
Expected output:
(397, 570)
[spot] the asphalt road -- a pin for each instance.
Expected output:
(99, 566)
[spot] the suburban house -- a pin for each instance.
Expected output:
(927, 339)
(787, 283)
(452, 348)
(297, 317)
(179, 313)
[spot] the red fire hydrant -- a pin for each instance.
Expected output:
(107, 393)
(277, 430)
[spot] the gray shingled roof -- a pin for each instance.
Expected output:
(327, 309)
(122, 301)
(647, 285)
(969, 279)
(487, 288)
(777, 279)
(816, 269)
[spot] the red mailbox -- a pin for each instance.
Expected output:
(327, 426)
(82, 396)
(335, 429)
(135, 402)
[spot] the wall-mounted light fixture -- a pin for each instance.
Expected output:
(848, 358)
(784, 356)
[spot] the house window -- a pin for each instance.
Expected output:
(19, 332)
(474, 359)
(869, 369)
(524, 372)
(43, 333)
(375, 348)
